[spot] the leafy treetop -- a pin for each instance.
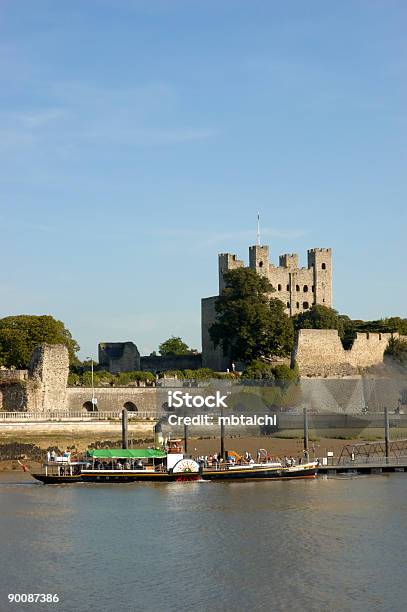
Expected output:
(19, 335)
(250, 325)
(174, 346)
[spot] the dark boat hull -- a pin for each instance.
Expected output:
(110, 477)
(117, 477)
(259, 474)
(54, 479)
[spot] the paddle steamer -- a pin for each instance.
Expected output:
(167, 464)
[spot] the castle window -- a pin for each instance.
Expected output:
(297, 287)
(260, 264)
(288, 287)
(288, 304)
(305, 305)
(323, 300)
(305, 288)
(313, 289)
(279, 287)
(324, 266)
(298, 304)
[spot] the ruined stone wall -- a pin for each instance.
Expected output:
(48, 375)
(352, 394)
(12, 375)
(319, 352)
(159, 363)
(119, 356)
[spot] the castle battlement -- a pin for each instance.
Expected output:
(319, 352)
(297, 287)
(319, 250)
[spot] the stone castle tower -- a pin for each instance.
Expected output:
(298, 288)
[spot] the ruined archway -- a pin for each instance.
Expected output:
(89, 407)
(130, 406)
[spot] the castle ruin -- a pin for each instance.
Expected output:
(298, 288)
(40, 388)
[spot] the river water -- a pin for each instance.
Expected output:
(325, 544)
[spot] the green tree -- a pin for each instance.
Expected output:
(259, 370)
(280, 373)
(397, 349)
(321, 317)
(174, 346)
(250, 325)
(396, 324)
(19, 335)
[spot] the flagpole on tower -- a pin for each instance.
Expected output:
(258, 229)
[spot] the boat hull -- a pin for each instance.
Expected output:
(260, 473)
(54, 479)
(236, 473)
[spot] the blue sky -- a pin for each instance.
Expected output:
(139, 138)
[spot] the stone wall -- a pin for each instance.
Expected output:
(40, 388)
(159, 363)
(112, 398)
(319, 352)
(353, 393)
(212, 357)
(48, 371)
(119, 356)
(12, 375)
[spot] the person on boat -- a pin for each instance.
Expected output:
(48, 456)
(53, 455)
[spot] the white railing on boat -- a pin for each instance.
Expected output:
(63, 415)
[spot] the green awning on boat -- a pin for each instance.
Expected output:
(127, 453)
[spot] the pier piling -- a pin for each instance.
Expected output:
(222, 436)
(306, 453)
(185, 438)
(386, 434)
(125, 429)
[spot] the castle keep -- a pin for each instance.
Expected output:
(298, 288)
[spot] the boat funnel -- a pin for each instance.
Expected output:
(158, 435)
